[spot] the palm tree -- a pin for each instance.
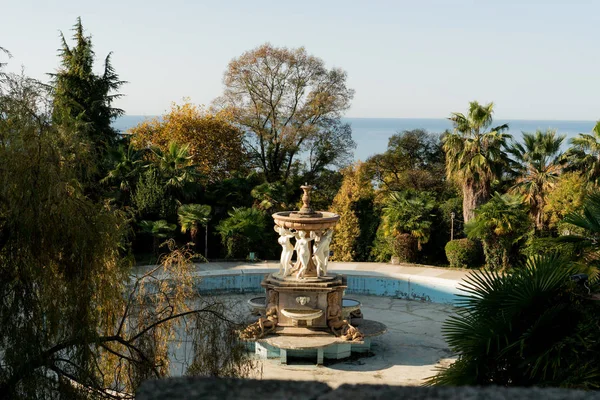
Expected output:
(243, 231)
(176, 168)
(409, 212)
(160, 229)
(474, 156)
(499, 223)
(192, 215)
(528, 327)
(537, 168)
(127, 163)
(584, 155)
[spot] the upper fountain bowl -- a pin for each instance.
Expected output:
(306, 219)
(314, 222)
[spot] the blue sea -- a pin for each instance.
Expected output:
(371, 134)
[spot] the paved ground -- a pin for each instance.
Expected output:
(407, 354)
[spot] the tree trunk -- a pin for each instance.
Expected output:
(473, 196)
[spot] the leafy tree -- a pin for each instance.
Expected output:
(566, 197)
(409, 212)
(537, 169)
(528, 327)
(584, 154)
(192, 215)
(413, 160)
(75, 323)
(588, 220)
(215, 144)
(359, 219)
(270, 196)
(151, 198)
(285, 99)
(499, 224)
(243, 231)
(82, 98)
(333, 146)
(475, 157)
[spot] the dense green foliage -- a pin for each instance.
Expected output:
(499, 224)
(533, 326)
(463, 253)
(243, 232)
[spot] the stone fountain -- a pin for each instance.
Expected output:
(304, 304)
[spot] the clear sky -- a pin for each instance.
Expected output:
(405, 59)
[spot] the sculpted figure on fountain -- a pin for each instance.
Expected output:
(303, 251)
(321, 251)
(287, 250)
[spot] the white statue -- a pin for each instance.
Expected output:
(303, 252)
(287, 250)
(321, 252)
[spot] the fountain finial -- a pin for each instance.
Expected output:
(306, 209)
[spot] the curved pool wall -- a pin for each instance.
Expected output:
(402, 286)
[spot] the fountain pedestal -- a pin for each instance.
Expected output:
(306, 301)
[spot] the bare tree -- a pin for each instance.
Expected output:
(283, 98)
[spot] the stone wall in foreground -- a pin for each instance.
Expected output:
(242, 389)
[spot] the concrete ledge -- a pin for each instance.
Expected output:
(240, 389)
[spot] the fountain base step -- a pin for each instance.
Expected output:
(301, 331)
(322, 351)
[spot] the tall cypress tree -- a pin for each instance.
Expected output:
(83, 99)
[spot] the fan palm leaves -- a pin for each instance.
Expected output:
(584, 154)
(587, 244)
(409, 212)
(537, 168)
(498, 224)
(527, 327)
(475, 154)
(242, 231)
(176, 167)
(191, 216)
(160, 229)
(127, 163)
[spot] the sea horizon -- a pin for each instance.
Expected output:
(372, 134)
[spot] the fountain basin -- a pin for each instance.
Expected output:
(302, 314)
(257, 305)
(349, 306)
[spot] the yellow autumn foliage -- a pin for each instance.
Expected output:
(356, 185)
(215, 143)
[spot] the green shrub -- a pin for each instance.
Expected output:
(463, 253)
